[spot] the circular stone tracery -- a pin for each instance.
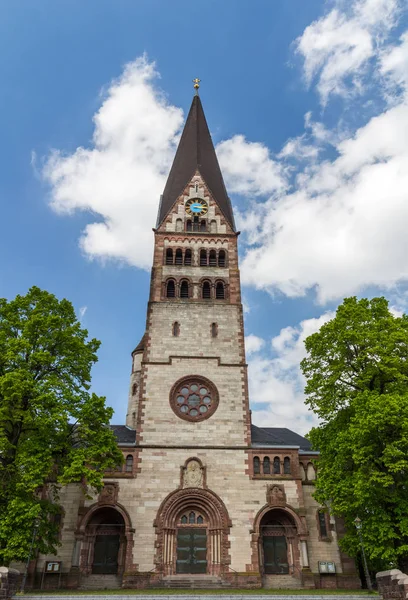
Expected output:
(194, 398)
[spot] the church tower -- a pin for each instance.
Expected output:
(204, 498)
(189, 379)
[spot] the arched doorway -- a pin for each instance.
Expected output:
(106, 541)
(191, 542)
(192, 527)
(277, 533)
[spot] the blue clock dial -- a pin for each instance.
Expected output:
(196, 207)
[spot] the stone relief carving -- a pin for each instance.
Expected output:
(193, 475)
(275, 495)
(108, 494)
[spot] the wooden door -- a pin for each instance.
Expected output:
(106, 552)
(275, 554)
(191, 550)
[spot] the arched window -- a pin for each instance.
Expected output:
(220, 291)
(184, 289)
(176, 329)
(203, 258)
(196, 224)
(203, 226)
(187, 257)
(322, 521)
(179, 256)
(266, 466)
(213, 258)
(191, 517)
(129, 464)
(189, 225)
(200, 520)
(221, 258)
(286, 465)
(170, 289)
(134, 389)
(169, 256)
(179, 225)
(310, 472)
(213, 226)
(206, 291)
(276, 465)
(257, 465)
(214, 330)
(184, 519)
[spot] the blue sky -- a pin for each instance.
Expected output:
(307, 104)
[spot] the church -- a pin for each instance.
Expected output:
(204, 497)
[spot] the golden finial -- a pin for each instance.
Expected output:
(196, 82)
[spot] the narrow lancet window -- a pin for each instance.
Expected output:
(214, 330)
(266, 466)
(221, 258)
(184, 289)
(213, 258)
(203, 258)
(187, 257)
(176, 329)
(169, 256)
(129, 464)
(286, 465)
(170, 289)
(220, 291)
(206, 290)
(276, 465)
(179, 256)
(257, 465)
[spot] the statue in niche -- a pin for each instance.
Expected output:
(193, 474)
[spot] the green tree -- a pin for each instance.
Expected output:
(53, 431)
(357, 384)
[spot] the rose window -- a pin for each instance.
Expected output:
(194, 398)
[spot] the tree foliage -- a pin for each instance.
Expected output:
(357, 383)
(53, 431)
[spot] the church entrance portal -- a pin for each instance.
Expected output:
(278, 533)
(191, 550)
(105, 530)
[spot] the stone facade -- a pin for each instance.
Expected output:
(198, 494)
(392, 585)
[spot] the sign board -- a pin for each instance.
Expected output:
(53, 566)
(326, 567)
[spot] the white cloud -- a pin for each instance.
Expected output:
(394, 62)
(249, 169)
(82, 312)
(120, 178)
(344, 226)
(253, 344)
(337, 48)
(276, 383)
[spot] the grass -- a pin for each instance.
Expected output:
(197, 592)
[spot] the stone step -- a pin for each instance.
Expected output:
(280, 582)
(101, 582)
(223, 596)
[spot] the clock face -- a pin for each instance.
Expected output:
(196, 207)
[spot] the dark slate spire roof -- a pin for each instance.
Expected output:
(141, 345)
(195, 151)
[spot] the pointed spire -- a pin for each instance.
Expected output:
(195, 152)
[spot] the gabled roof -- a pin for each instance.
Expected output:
(124, 434)
(195, 152)
(278, 436)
